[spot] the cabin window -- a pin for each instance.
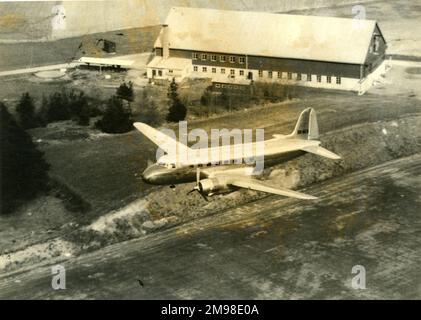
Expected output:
(338, 80)
(376, 43)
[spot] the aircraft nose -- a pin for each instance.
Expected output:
(149, 174)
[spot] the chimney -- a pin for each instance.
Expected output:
(165, 41)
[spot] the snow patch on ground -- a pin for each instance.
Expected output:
(109, 222)
(56, 248)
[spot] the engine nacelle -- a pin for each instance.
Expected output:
(212, 186)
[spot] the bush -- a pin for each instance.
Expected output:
(23, 168)
(25, 111)
(271, 91)
(117, 118)
(177, 110)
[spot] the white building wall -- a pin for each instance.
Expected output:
(224, 75)
(240, 76)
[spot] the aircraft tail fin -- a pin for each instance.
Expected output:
(307, 127)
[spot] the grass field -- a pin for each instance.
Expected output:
(30, 54)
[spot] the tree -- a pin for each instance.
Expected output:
(24, 172)
(57, 108)
(25, 111)
(78, 106)
(149, 114)
(117, 118)
(226, 98)
(177, 110)
(206, 99)
(125, 91)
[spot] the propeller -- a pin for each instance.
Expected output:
(197, 187)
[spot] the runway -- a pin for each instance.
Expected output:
(273, 248)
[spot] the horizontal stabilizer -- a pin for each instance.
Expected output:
(259, 186)
(321, 152)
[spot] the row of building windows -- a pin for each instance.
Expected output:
(213, 70)
(221, 58)
(300, 77)
(229, 86)
(289, 75)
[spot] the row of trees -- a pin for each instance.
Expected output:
(58, 106)
(229, 99)
(116, 116)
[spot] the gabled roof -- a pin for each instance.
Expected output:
(169, 63)
(270, 34)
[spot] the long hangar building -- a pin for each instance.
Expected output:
(238, 47)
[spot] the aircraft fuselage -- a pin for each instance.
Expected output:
(157, 174)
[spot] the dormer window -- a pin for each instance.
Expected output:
(376, 43)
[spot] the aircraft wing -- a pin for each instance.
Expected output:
(260, 186)
(321, 152)
(162, 140)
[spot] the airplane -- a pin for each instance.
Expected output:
(219, 178)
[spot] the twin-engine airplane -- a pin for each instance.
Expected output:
(218, 178)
